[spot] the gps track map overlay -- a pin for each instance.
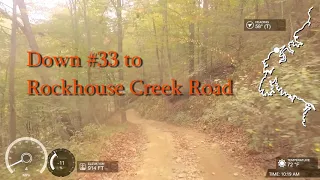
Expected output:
(273, 84)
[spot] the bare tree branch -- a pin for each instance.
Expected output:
(3, 31)
(6, 15)
(114, 4)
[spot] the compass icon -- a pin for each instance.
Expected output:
(250, 25)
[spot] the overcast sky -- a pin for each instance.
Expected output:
(38, 7)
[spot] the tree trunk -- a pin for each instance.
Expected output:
(31, 38)
(256, 9)
(163, 65)
(157, 53)
(198, 35)
(204, 53)
(3, 110)
(120, 39)
(88, 39)
(166, 31)
(75, 25)
(25, 19)
(27, 30)
(212, 45)
(191, 48)
(282, 15)
(267, 4)
(75, 46)
(12, 62)
(241, 14)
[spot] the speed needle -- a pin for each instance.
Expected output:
(23, 160)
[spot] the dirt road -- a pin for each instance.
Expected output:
(173, 152)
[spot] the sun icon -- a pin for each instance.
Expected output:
(282, 163)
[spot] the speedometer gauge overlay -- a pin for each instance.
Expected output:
(26, 156)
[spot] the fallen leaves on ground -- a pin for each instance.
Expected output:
(124, 147)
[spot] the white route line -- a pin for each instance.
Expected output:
(283, 58)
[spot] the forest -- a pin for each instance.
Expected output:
(181, 39)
